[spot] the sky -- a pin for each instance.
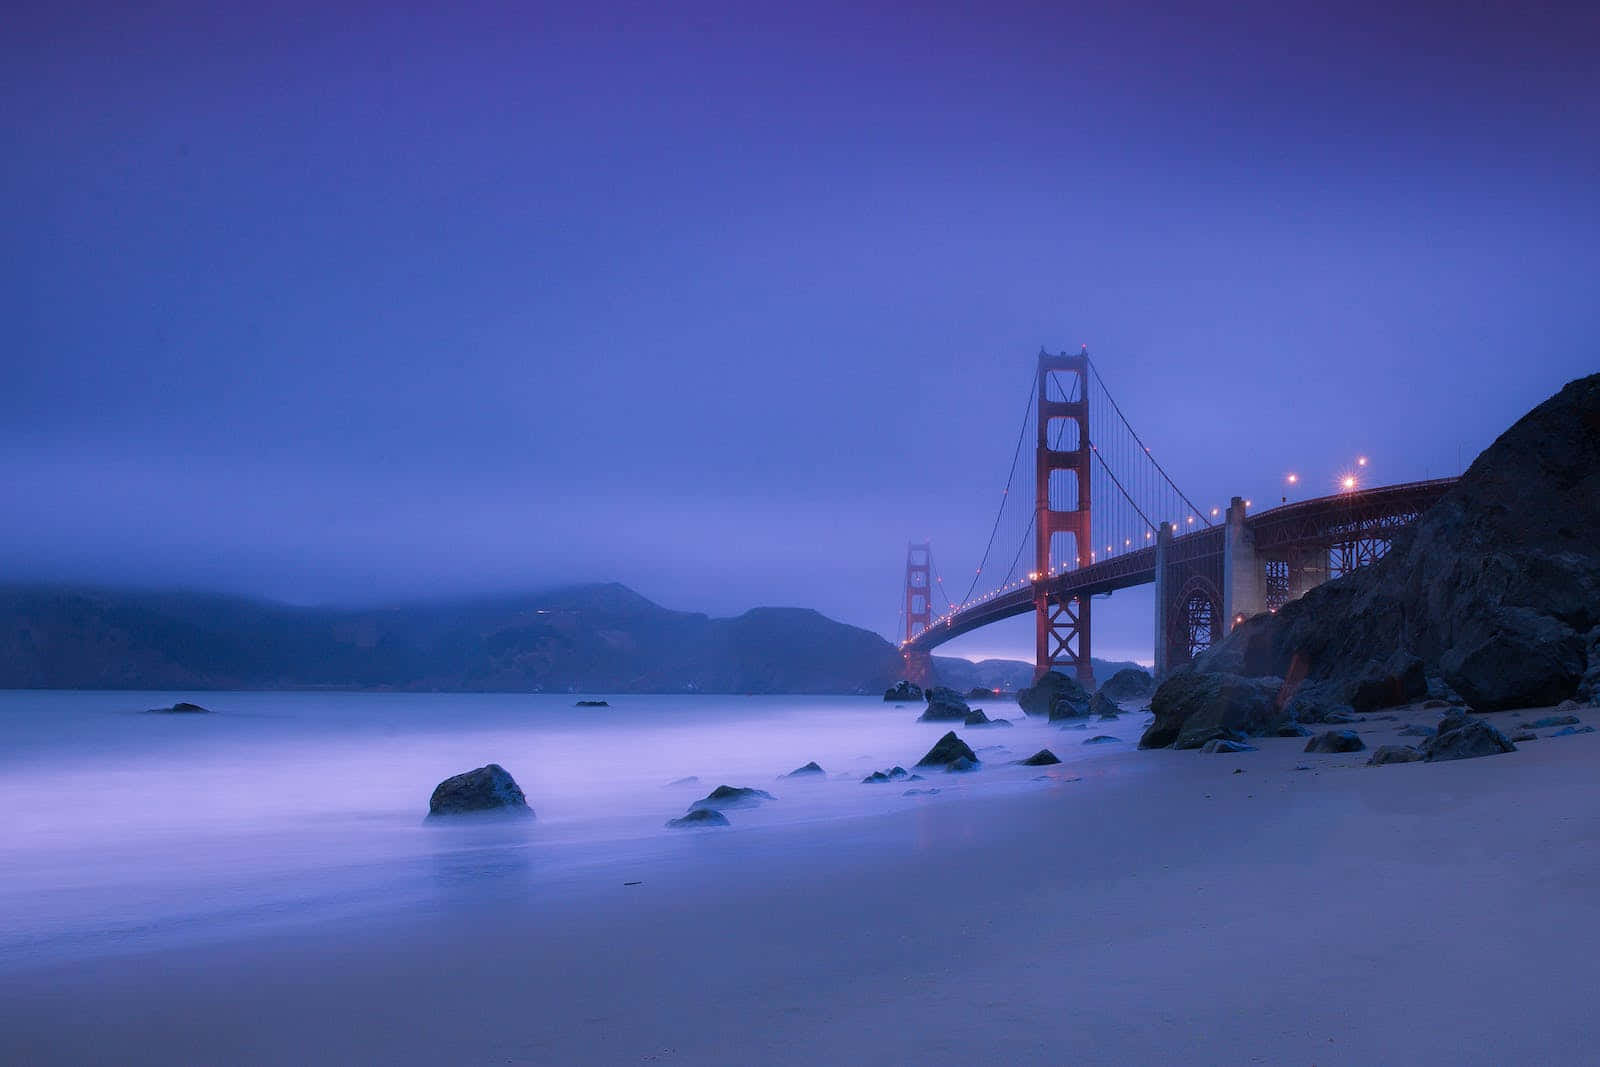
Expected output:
(346, 304)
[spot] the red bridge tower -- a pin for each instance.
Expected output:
(919, 609)
(1062, 622)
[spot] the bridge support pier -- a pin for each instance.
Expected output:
(1243, 577)
(1164, 606)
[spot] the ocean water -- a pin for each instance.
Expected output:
(125, 830)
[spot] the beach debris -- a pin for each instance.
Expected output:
(947, 750)
(1460, 737)
(483, 789)
(1386, 754)
(1336, 741)
(802, 772)
(633, 883)
(182, 707)
(1225, 745)
(1042, 758)
(730, 796)
(904, 692)
(698, 817)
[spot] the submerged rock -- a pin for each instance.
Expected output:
(1102, 739)
(484, 789)
(1387, 754)
(976, 718)
(693, 779)
(944, 705)
(698, 817)
(728, 796)
(1464, 738)
(961, 764)
(1042, 758)
(1336, 741)
(947, 750)
(904, 693)
(182, 707)
(802, 772)
(875, 778)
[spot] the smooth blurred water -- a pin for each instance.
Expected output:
(125, 829)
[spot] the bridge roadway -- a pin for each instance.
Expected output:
(1319, 524)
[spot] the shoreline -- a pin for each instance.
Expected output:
(1314, 913)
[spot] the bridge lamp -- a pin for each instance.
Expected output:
(1348, 482)
(1191, 520)
(1214, 512)
(1361, 461)
(1294, 479)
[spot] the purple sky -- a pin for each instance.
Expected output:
(348, 305)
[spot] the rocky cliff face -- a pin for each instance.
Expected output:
(1496, 589)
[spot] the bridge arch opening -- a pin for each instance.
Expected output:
(1197, 624)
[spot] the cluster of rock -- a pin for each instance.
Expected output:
(904, 692)
(945, 705)
(1055, 697)
(709, 809)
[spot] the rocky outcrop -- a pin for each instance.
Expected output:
(1042, 758)
(1336, 741)
(944, 705)
(698, 818)
(182, 707)
(489, 788)
(1130, 683)
(904, 692)
(1496, 588)
(978, 718)
(1398, 680)
(1103, 706)
(946, 751)
(1462, 737)
(1387, 754)
(1054, 696)
(809, 770)
(1193, 707)
(729, 796)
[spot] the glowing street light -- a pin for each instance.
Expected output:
(1361, 461)
(1294, 479)
(1348, 482)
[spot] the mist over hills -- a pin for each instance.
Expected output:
(589, 638)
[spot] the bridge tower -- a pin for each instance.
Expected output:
(919, 608)
(1061, 622)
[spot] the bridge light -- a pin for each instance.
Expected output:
(1348, 482)
(1213, 512)
(1293, 479)
(1191, 520)
(1361, 461)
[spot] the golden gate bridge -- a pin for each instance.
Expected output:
(1095, 512)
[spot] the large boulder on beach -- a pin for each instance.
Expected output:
(944, 705)
(729, 796)
(1042, 758)
(1463, 737)
(1103, 706)
(1130, 683)
(1193, 707)
(1496, 589)
(1398, 680)
(1054, 696)
(489, 788)
(904, 692)
(946, 751)
(1387, 754)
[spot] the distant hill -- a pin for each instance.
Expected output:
(590, 638)
(1007, 674)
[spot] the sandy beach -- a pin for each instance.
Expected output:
(1422, 913)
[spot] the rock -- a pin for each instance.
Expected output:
(693, 779)
(1291, 729)
(875, 778)
(896, 773)
(1054, 696)
(944, 705)
(1569, 705)
(1193, 707)
(1103, 706)
(1568, 731)
(1414, 730)
(1518, 739)
(1589, 684)
(1398, 680)
(978, 692)
(1387, 754)
(1340, 716)
(920, 792)
(1496, 588)
(1042, 758)
(918, 778)
(1551, 721)
(904, 693)
(592, 704)
(1336, 741)
(728, 796)
(802, 772)
(1103, 739)
(698, 817)
(976, 718)
(1223, 745)
(947, 750)
(182, 707)
(1434, 705)
(962, 764)
(1460, 737)
(1129, 683)
(487, 788)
